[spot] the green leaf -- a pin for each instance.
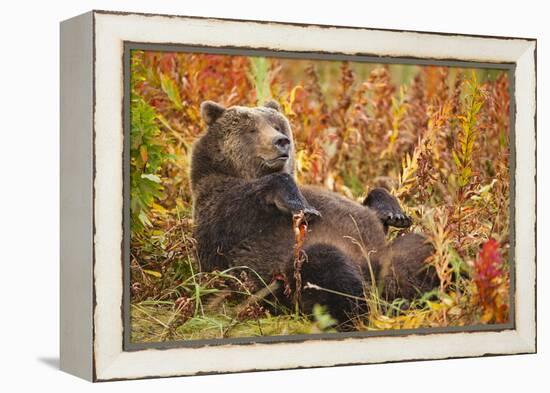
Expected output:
(171, 90)
(260, 78)
(324, 320)
(144, 219)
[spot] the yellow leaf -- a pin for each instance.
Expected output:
(436, 306)
(288, 105)
(159, 208)
(152, 273)
(293, 94)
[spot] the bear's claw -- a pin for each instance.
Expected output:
(397, 220)
(311, 212)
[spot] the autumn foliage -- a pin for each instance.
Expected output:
(436, 137)
(491, 283)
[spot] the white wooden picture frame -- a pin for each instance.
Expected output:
(92, 195)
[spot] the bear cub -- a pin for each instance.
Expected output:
(244, 197)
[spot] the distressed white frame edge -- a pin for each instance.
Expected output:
(76, 193)
(111, 30)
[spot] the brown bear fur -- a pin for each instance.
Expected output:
(244, 195)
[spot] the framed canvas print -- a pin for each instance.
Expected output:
(245, 195)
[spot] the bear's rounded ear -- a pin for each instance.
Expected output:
(273, 105)
(211, 111)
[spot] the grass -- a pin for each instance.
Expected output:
(437, 137)
(151, 323)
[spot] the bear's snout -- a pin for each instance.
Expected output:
(282, 143)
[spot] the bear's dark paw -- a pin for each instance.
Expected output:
(387, 209)
(392, 219)
(287, 197)
(296, 205)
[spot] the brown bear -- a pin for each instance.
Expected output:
(244, 198)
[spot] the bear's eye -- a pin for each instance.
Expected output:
(277, 128)
(253, 130)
